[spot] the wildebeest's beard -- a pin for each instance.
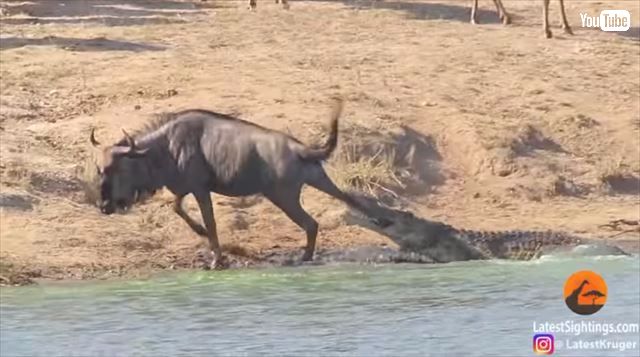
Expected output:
(124, 184)
(115, 193)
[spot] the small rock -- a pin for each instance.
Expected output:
(137, 107)
(172, 92)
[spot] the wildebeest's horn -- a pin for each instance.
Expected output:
(130, 141)
(132, 146)
(92, 138)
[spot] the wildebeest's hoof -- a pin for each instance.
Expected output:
(219, 263)
(307, 257)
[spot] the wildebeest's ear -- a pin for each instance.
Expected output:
(125, 151)
(132, 150)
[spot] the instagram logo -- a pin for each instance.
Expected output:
(543, 344)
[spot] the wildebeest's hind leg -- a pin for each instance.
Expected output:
(196, 227)
(319, 179)
(288, 200)
(206, 208)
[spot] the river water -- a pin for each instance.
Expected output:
(485, 308)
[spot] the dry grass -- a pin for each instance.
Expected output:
(371, 174)
(615, 176)
(615, 167)
(15, 173)
(366, 160)
(88, 177)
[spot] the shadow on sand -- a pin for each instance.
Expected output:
(78, 44)
(633, 33)
(425, 10)
(106, 12)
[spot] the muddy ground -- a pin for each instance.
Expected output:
(482, 127)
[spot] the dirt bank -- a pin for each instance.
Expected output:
(482, 127)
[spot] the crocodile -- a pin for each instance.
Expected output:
(443, 243)
(419, 240)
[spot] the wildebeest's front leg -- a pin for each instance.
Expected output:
(196, 227)
(288, 201)
(206, 208)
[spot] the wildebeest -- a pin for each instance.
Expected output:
(254, 3)
(198, 152)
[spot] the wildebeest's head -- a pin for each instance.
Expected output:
(119, 173)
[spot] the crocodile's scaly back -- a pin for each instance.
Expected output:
(517, 245)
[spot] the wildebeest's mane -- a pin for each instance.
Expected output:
(161, 119)
(154, 124)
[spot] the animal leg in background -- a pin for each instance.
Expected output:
(502, 12)
(545, 19)
(254, 3)
(563, 15)
(474, 8)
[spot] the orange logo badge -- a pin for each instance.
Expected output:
(585, 292)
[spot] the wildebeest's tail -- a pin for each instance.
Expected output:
(323, 152)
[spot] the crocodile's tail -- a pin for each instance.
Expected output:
(527, 245)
